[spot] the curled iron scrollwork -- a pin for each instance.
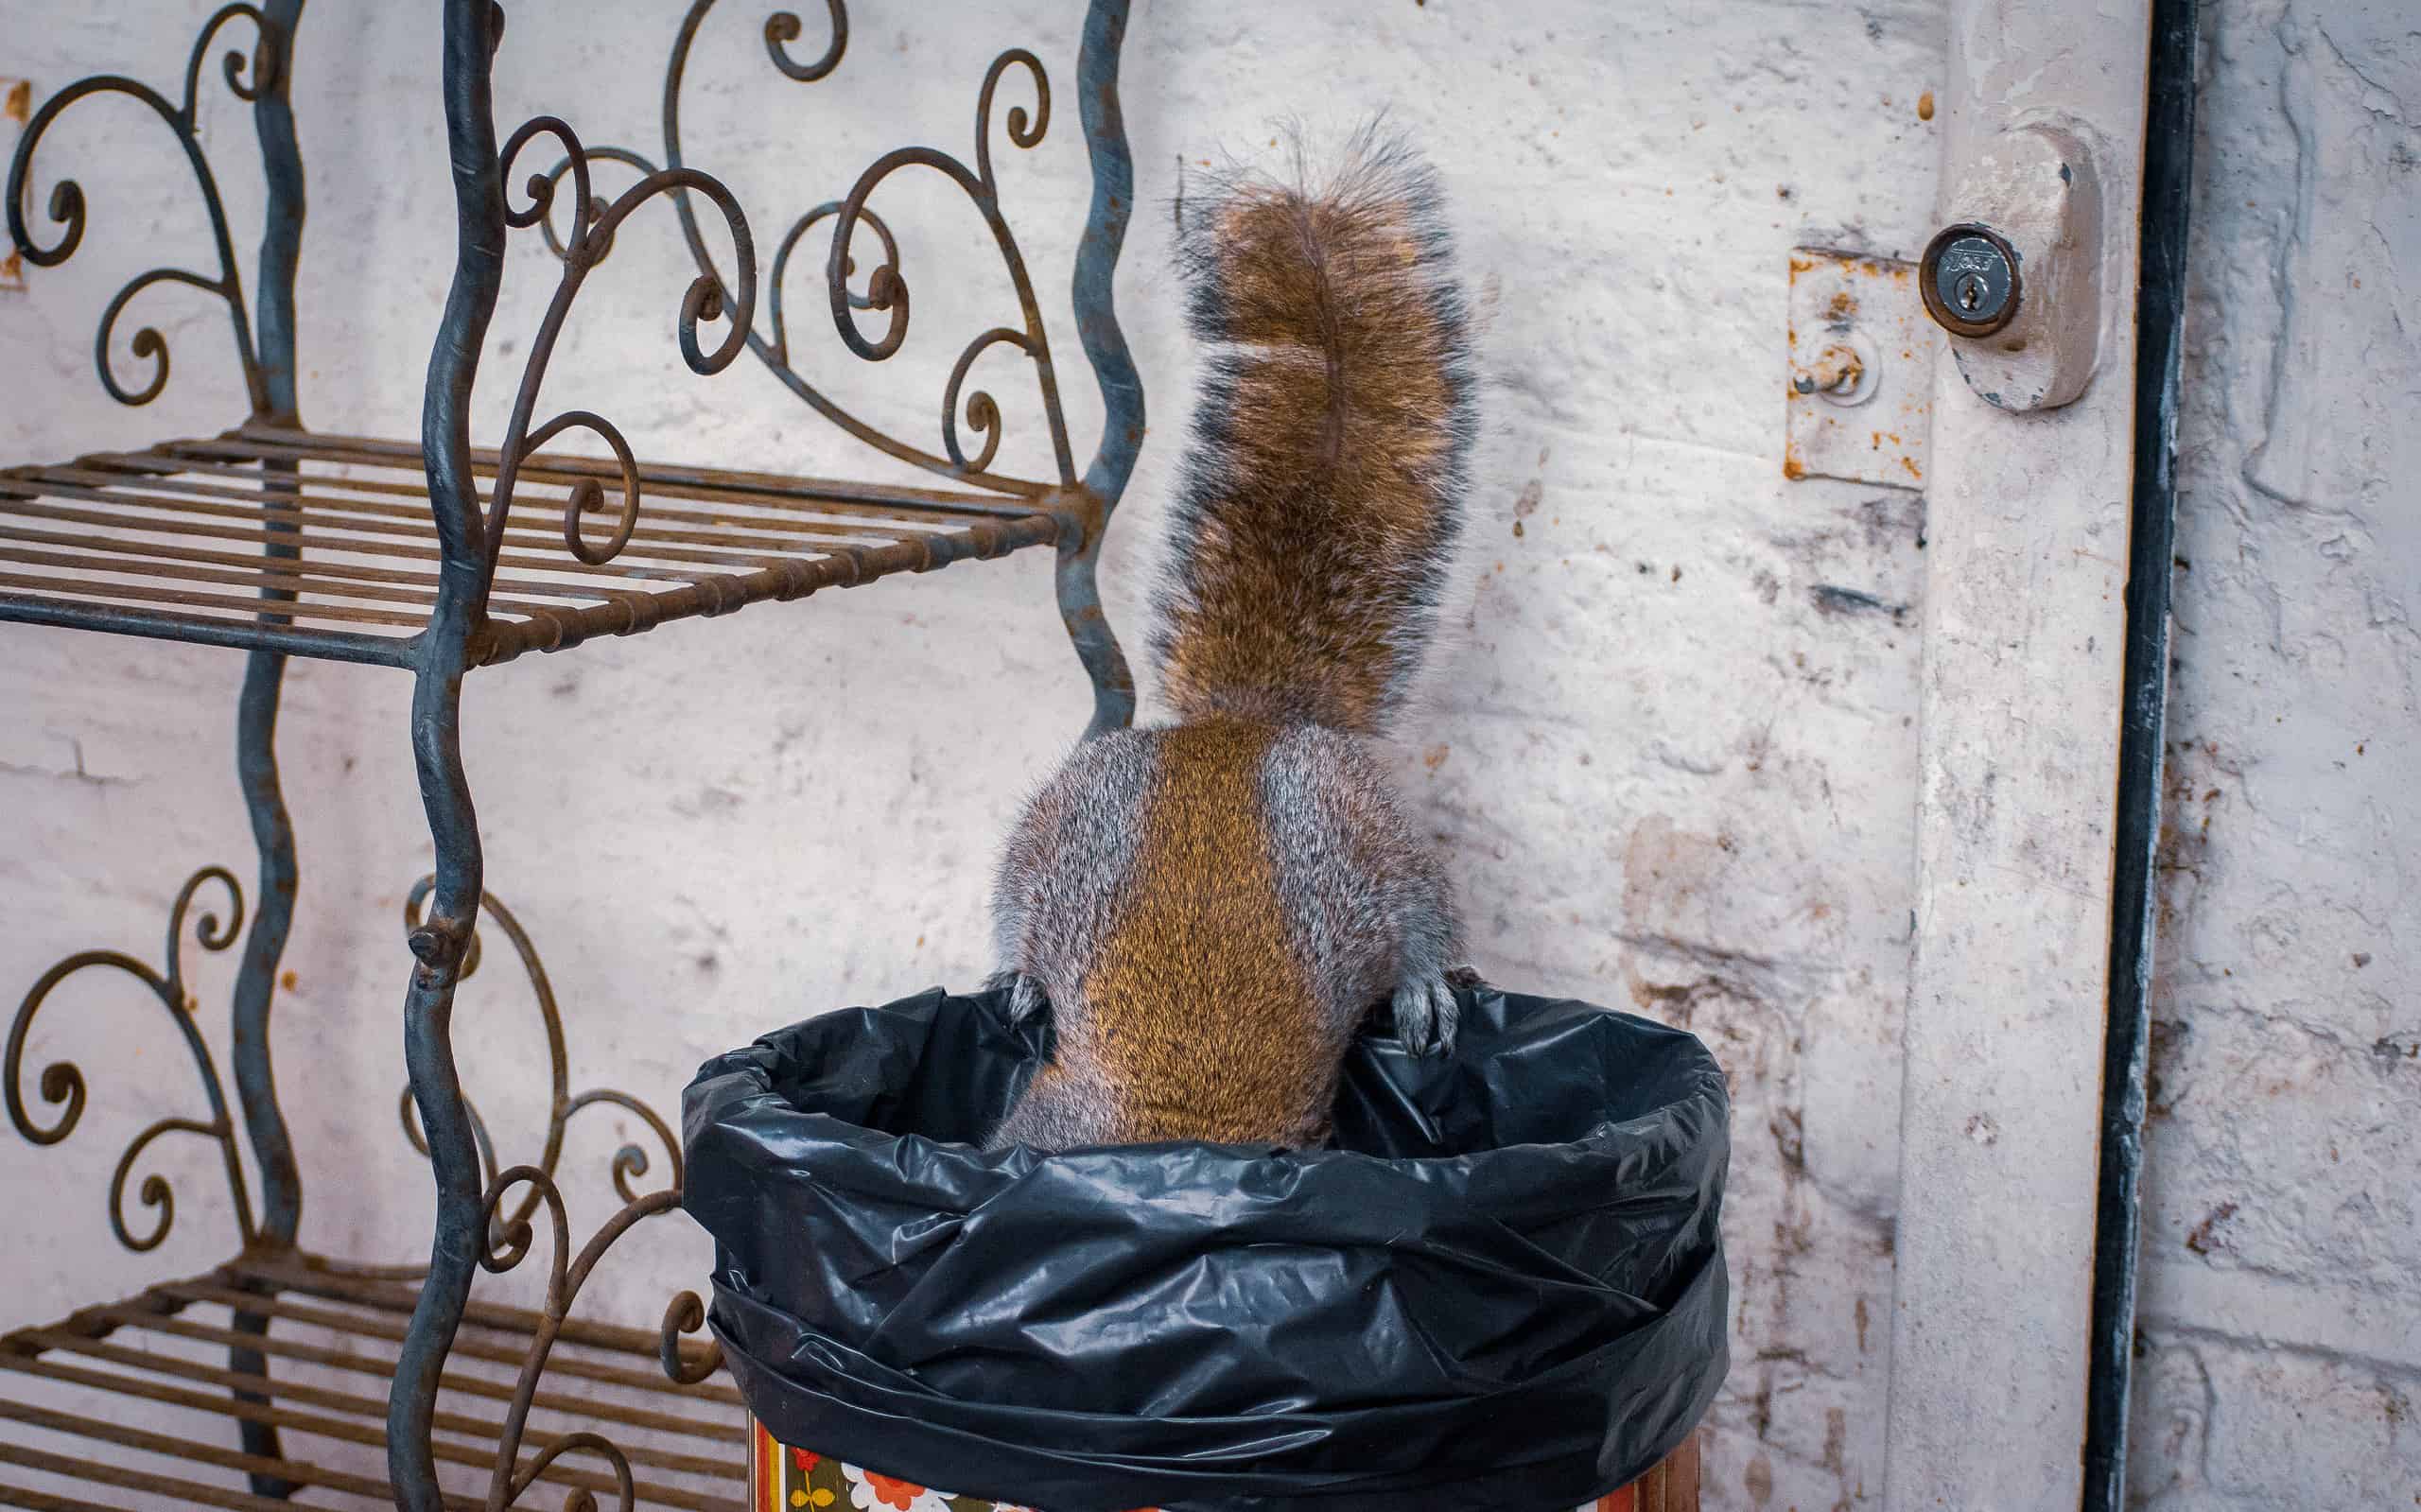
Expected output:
(510, 1241)
(62, 1083)
(776, 318)
(981, 411)
(556, 242)
(590, 236)
(784, 27)
(515, 1201)
(687, 1313)
(885, 287)
(888, 285)
(629, 1161)
(247, 76)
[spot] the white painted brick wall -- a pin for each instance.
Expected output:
(2282, 1340)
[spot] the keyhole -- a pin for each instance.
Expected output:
(1970, 281)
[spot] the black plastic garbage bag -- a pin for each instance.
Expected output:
(1502, 1285)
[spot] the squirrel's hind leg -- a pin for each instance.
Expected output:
(1427, 1014)
(1368, 907)
(1429, 937)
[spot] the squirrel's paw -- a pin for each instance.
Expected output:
(1025, 993)
(1427, 1015)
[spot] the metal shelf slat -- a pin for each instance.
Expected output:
(323, 545)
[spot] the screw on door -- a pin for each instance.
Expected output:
(1970, 280)
(1844, 373)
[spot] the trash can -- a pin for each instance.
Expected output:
(783, 1478)
(1500, 1287)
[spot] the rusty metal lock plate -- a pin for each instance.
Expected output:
(1859, 389)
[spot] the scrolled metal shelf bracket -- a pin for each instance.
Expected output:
(509, 1222)
(885, 288)
(62, 1084)
(249, 75)
(590, 238)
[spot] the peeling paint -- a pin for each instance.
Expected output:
(16, 104)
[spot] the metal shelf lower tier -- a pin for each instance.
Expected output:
(71, 1394)
(175, 541)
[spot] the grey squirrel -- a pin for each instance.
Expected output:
(1208, 909)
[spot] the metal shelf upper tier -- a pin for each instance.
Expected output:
(196, 540)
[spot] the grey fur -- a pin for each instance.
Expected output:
(1368, 909)
(1068, 866)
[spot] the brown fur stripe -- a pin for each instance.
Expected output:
(1322, 492)
(1200, 1012)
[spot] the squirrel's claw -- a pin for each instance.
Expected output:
(1427, 1015)
(1025, 993)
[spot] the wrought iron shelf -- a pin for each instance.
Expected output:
(173, 541)
(439, 558)
(72, 1392)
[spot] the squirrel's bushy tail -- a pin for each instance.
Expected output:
(1322, 489)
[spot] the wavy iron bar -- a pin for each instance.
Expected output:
(631, 1161)
(263, 342)
(510, 1233)
(460, 1155)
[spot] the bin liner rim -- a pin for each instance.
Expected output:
(766, 1097)
(1590, 1141)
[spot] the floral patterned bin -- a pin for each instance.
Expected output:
(782, 1479)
